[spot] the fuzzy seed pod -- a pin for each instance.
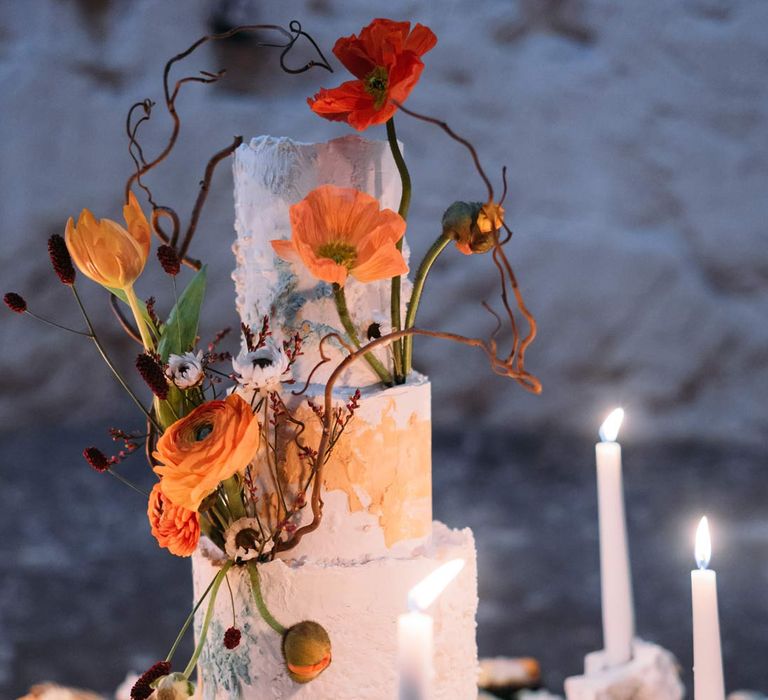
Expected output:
(169, 259)
(306, 650)
(152, 373)
(15, 302)
(96, 458)
(61, 260)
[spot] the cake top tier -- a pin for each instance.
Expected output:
(271, 174)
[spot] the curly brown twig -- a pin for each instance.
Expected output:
(142, 166)
(203, 193)
(324, 359)
(503, 367)
(460, 139)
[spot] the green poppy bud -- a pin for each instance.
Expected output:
(473, 225)
(306, 650)
(174, 687)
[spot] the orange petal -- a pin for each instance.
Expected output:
(285, 250)
(385, 263)
(420, 40)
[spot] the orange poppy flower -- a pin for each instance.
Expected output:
(337, 231)
(177, 529)
(212, 443)
(386, 60)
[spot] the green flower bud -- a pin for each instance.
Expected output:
(473, 225)
(306, 650)
(174, 687)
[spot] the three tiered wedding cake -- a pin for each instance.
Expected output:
(376, 539)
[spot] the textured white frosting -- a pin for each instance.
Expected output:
(345, 535)
(358, 604)
(270, 175)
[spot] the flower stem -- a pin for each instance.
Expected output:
(349, 327)
(133, 302)
(207, 619)
(56, 325)
(189, 619)
(405, 203)
(418, 287)
(109, 362)
(253, 571)
(128, 483)
(234, 499)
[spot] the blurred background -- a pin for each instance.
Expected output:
(637, 152)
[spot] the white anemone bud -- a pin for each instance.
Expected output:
(185, 371)
(262, 369)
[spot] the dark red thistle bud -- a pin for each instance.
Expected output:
(96, 458)
(142, 688)
(169, 259)
(152, 372)
(15, 302)
(61, 260)
(232, 638)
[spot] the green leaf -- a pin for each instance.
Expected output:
(180, 331)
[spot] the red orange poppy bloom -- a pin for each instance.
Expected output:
(386, 60)
(338, 231)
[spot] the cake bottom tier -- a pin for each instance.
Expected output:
(358, 603)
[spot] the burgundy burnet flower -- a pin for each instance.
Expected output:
(142, 688)
(169, 259)
(152, 373)
(232, 638)
(96, 458)
(61, 260)
(15, 302)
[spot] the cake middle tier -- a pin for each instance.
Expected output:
(377, 484)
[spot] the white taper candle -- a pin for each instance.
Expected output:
(708, 683)
(615, 576)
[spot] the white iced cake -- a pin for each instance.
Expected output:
(377, 538)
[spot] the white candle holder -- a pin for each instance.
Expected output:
(651, 673)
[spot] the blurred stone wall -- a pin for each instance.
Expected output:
(634, 133)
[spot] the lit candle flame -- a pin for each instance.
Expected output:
(424, 593)
(609, 430)
(703, 544)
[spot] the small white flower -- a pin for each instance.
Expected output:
(243, 540)
(185, 371)
(262, 369)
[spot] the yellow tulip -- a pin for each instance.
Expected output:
(105, 251)
(112, 255)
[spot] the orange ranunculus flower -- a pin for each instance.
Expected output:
(105, 251)
(175, 528)
(386, 60)
(215, 441)
(337, 231)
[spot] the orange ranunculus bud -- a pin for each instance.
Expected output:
(339, 231)
(212, 443)
(175, 528)
(107, 252)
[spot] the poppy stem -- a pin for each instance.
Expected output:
(253, 571)
(207, 619)
(349, 327)
(398, 351)
(189, 619)
(418, 287)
